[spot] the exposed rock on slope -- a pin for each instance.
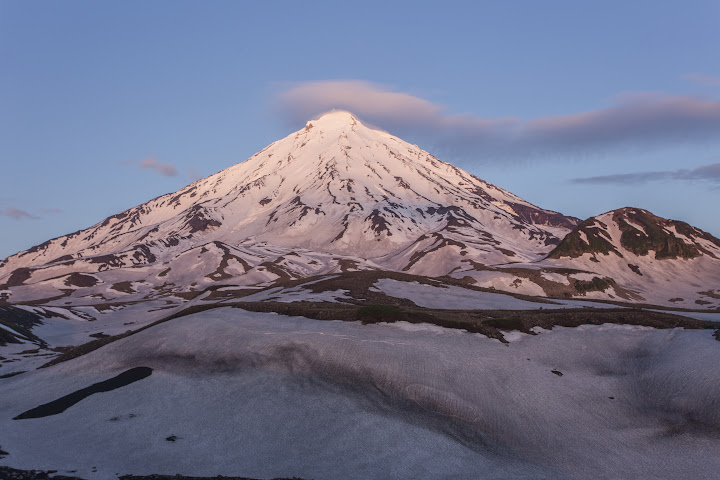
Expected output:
(348, 193)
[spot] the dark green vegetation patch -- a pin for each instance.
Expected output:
(506, 323)
(598, 241)
(597, 284)
(654, 235)
(641, 233)
(392, 313)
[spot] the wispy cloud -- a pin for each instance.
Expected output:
(166, 169)
(17, 214)
(381, 106)
(706, 173)
(630, 121)
(154, 165)
(702, 79)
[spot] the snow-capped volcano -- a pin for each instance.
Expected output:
(335, 187)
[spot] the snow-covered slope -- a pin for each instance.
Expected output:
(337, 188)
(262, 395)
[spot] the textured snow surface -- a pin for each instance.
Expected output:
(264, 395)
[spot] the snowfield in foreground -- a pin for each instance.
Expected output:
(263, 395)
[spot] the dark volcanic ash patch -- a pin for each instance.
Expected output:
(7, 473)
(22, 322)
(181, 477)
(379, 224)
(124, 287)
(199, 220)
(76, 279)
(63, 403)
(18, 277)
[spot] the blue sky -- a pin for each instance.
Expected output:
(580, 107)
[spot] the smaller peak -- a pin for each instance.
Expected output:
(631, 212)
(333, 118)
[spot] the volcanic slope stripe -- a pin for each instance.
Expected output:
(338, 190)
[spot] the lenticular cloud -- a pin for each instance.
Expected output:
(631, 121)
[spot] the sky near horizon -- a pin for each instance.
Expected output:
(578, 107)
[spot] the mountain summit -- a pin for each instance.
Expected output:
(333, 196)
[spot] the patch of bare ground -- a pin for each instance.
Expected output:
(181, 477)
(61, 404)
(7, 473)
(76, 279)
(124, 287)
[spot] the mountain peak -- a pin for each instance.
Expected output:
(334, 119)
